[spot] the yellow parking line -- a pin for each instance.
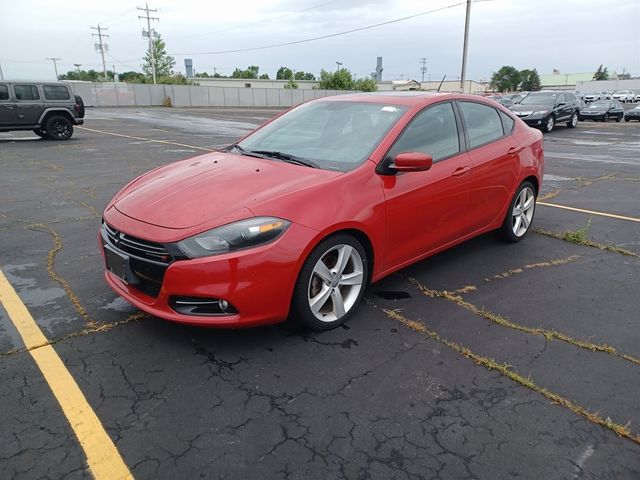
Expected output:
(168, 142)
(103, 458)
(591, 212)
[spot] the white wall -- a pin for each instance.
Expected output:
(137, 94)
(600, 85)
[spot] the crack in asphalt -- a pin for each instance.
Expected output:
(507, 371)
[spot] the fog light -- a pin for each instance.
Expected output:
(201, 306)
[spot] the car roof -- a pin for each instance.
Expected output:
(38, 82)
(411, 98)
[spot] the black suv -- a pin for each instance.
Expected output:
(50, 109)
(546, 109)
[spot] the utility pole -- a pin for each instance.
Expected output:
(150, 34)
(339, 65)
(423, 68)
(77, 65)
(55, 66)
(464, 48)
(101, 47)
(1, 74)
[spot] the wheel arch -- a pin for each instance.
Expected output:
(49, 112)
(534, 181)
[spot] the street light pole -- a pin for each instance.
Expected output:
(339, 65)
(55, 66)
(464, 48)
(77, 65)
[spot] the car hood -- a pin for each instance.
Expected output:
(195, 191)
(529, 108)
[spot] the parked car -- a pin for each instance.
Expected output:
(624, 96)
(546, 109)
(504, 101)
(605, 95)
(602, 110)
(633, 114)
(49, 109)
(296, 218)
(591, 97)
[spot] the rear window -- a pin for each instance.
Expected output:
(56, 92)
(483, 123)
(26, 92)
(507, 122)
(4, 92)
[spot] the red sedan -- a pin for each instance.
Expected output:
(296, 218)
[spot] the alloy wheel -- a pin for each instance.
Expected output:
(522, 213)
(336, 282)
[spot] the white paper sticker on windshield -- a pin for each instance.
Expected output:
(389, 109)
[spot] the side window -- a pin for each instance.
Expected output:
(507, 122)
(432, 131)
(4, 92)
(562, 98)
(56, 92)
(483, 123)
(26, 92)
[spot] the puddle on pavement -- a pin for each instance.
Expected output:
(392, 295)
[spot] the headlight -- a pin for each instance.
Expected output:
(540, 112)
(235, 236)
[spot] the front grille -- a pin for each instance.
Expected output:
(148, 260)
(136, 246)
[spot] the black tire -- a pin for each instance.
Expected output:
(309, 282)
(605, 118)
(58, 128)
(573, 121)
(619, 118)
(40, 132)
(509, 224)
(627, 119)
(549, 124)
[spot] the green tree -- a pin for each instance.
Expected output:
(132, 77)
(304, 76)
(86, 75)
(601, 74)
(291, 84)
(506, 79)
(339, 80)
(164, 63)
(284, 73)
(365, 85)
(530, 80)
(250, 72)
(264, 76)
(177, 79)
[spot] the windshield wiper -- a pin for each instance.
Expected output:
(243, 151)
(287, 157)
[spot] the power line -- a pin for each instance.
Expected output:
(55, 66)
(101, 46)
(245, 25)
(150, 33)
(325, 36)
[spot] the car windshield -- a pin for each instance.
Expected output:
(333, 135)
(539, 99)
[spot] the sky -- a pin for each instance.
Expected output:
(573, 36)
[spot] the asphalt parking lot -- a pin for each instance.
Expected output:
(486, 361)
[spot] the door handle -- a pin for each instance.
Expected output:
(513, 151)
(460, 171)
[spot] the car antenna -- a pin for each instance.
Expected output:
(441, 82)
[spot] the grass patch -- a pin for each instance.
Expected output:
(507, 371)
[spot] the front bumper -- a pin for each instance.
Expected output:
(257, 282)
(535, 120)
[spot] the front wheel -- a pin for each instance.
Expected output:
(549, 124)
(605, 118)
(573, 121)
(627, 119)
(520, 214)
(59, 128)
(331, 283)
(619, 118)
